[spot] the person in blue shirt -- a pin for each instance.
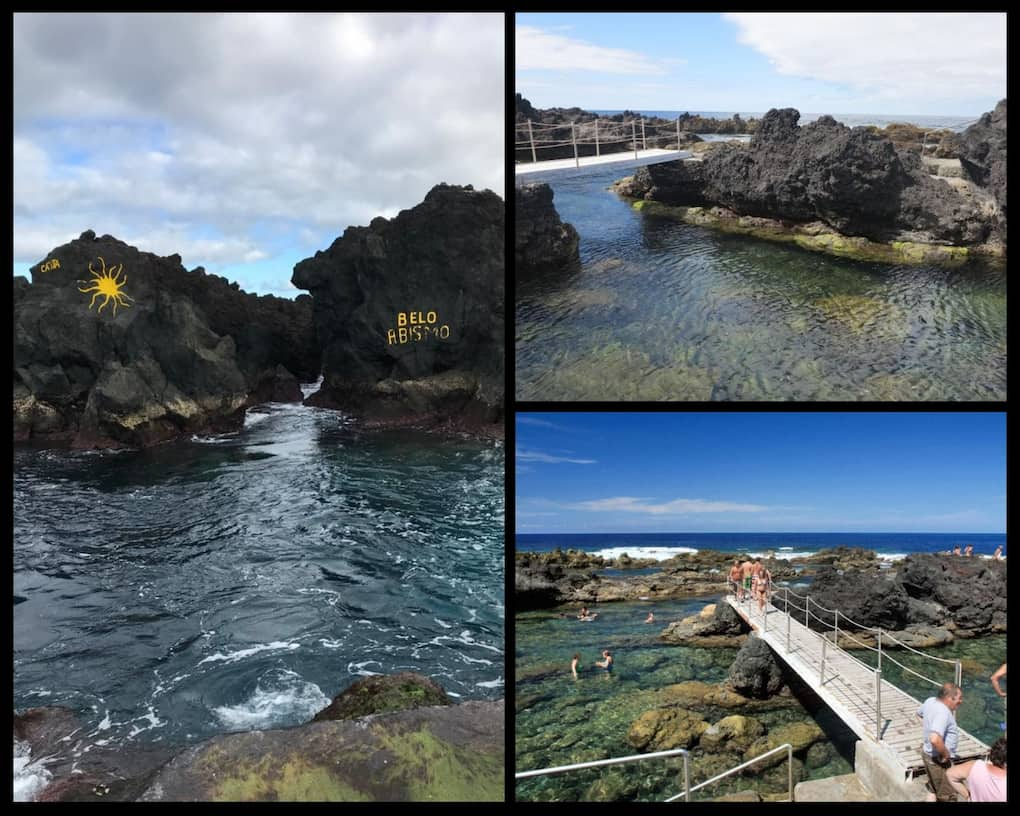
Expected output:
(941, 735)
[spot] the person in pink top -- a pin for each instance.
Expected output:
(986, 779)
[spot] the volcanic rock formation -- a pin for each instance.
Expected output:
(114, 346)
(410, 311)
(542, 242)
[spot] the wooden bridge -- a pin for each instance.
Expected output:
(871, 706)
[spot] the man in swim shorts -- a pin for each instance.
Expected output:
(747, 571)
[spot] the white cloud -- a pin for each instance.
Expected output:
(537, 49)
(236, 124)
(630, 504)
(908, 57)
(538, 456)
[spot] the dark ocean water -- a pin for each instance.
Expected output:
(240, 581)
(663, 545)
(663, 310)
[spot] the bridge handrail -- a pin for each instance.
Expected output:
(915, 651)
(599, 763)
(789, 758)
(907, 668)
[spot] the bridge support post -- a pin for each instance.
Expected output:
(788, 621)
(880, 648)
(959, 674)
(878, 704)
(633, 136)
(573, 140)
(678, 150)
(531, 138)
(835, 639)
(597, 153)
(807, 604)
(644, 141)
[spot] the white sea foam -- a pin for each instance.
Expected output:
(233, 657)
(781, 556)
(658, 553)
(359, 668)
(282, 697)
(491, 683)
(29, 777)
(213, 439)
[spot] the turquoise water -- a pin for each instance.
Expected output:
(562, 721)
(662, 310)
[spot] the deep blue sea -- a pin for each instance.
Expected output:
(960, 122)
(889, 546)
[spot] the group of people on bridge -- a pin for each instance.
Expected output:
(751, 580)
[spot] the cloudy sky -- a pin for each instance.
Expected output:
(761, 472)
(245, 142)
(879, 63)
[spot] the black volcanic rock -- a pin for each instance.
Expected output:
(854, 180)
(755, 671)
(182, 352)
(983, 155)
(410, 311)
(542, 242)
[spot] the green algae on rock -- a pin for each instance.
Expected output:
(381, 693)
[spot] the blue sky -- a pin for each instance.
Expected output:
(879, 63)
(761, 472)
(246, 142)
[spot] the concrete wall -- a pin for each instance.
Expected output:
(880, 772)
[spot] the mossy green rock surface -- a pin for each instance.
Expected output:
(381, 693)
(438, 754)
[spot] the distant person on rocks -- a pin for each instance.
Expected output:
(1000, 674)
(969, 550)
(941, 735)
(998, 553)
(956, 550)
(986, 779)
(606, 662)
(737, 579)
(573, 665)
(650, 618)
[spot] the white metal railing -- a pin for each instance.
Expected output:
(789, 759)
(597, 132)
(824, 636)
(601, 763)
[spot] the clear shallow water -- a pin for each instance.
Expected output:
(663, 310)
(241, 581)
(562, 721)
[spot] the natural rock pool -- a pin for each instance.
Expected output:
(663, 310)
(561, 721)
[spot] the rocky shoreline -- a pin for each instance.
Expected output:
(115, 347)
(852, 192)
(385, 738)
(925, 599)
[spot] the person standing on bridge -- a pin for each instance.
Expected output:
(941, 735)
(746, 571)
(737, 579)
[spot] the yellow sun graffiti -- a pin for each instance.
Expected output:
(107, 285)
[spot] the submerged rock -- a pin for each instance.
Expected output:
(114, 347)
(663, 729)
(410, 312)
(542, 242)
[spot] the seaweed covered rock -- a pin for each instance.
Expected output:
(663, 729)
(114, 346)
(381, 693)
(542, 242)
(447, 754)
(410, 311)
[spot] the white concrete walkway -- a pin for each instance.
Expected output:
(586, 161)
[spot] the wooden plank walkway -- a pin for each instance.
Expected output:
(848, 688)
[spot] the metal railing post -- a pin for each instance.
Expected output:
(633, 136)
(835, 638)
(678, 134)
(687, 780)
(959, 674)
(821, 672)
(880, 648)
(878, 704)
(531, 138)
(788, 617)
(573, 140)
(807, 604)
(597, 153)
(789, 771)
(644, 141)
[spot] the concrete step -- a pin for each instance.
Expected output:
(846, 788)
